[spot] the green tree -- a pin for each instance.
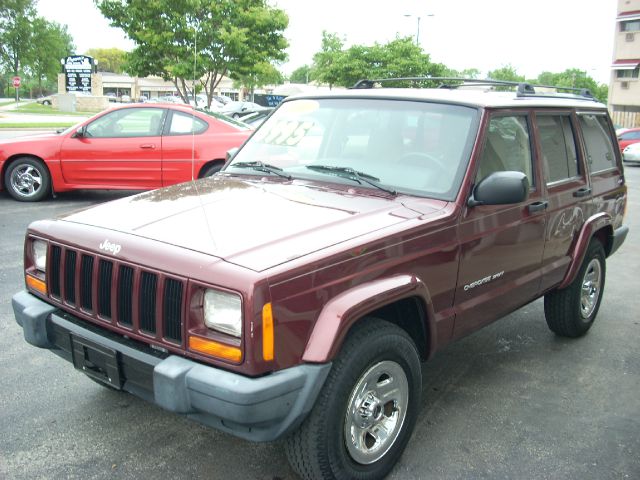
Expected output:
(506, 73)
(109, 59)
(199, 39)
(51, 42)
(399, 58)
(303, 74)
(16, 34)
(328, 61)
(574, 78)
(262, 74)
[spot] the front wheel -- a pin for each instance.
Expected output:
(27, 179)
(366, 411)
(571, 312)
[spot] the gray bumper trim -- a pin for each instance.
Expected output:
(258, 409)
(618, 238)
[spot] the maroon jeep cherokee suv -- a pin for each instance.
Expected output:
(295, 294)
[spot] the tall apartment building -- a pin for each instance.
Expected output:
(624, 86)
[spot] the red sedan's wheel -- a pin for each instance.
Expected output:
(27, 180)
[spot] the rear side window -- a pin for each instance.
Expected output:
(595, 130)
(182, 124)
(558, 147)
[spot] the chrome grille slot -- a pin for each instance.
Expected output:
(86, 282)
(171, 309)
(70, 277)
(148, 288)
(105, 274)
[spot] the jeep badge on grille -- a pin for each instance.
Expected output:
(107, 246)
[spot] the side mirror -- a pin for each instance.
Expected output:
(79, 133)
(230, 154)
(500, 188)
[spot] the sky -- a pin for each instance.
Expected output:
(544, 35)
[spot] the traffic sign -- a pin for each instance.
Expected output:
(16, 82)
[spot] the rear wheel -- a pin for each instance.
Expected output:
(27, 179)
(570, 312)
(366, 411)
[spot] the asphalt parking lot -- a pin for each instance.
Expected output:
(512, 401)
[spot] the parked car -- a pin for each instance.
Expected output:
(256, 118)
(632, 135)
(223, 99)
(238, 109)
(140, 146)
(296, 293)
(631, 153)
(48, 100)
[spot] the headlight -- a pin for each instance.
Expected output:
(223, 312)
(39, 251)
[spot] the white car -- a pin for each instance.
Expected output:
(631, 153)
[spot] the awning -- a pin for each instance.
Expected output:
(626, 16)
(628, 64)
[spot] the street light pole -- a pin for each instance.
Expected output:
(418, 17)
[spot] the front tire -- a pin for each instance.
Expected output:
(27, 180)
(366, 410)
(570, 312)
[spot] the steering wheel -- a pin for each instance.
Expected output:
(419, 159)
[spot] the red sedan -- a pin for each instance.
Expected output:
(130, 147)
(628, 137)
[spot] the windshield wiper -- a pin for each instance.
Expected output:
(263, 167)
(351, 174)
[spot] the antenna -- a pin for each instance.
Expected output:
(193, 93)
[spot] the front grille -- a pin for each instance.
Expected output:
(124, 295)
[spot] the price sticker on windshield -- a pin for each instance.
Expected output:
(287, 133)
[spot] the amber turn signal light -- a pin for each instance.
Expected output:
(267, 332)
(215, 349)
(36, 284)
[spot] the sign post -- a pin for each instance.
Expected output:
(16, 85)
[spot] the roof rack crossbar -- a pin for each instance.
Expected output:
(523, 89)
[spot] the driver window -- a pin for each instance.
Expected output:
(127, 122)
(507, 148)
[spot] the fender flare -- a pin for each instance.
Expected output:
(343, 311)
(589, 229)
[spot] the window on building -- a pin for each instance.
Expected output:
(630, 26)
(600, 155)
(558, 146)
(628, 73)
(507, 147)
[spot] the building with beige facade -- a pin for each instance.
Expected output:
(624, 86)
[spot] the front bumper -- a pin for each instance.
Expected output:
(258, 409)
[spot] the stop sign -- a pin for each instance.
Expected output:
(16, 82)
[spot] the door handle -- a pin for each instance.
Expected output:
(538, 207)
(148, 145)
(582, 192)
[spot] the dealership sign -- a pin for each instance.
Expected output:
(77, 72)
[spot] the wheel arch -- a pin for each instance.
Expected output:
(208, 164)
(11, 159)
(403, 300)
(599, 226)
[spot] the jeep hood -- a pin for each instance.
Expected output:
(255, 224)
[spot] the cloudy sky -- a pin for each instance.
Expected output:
(550, 35)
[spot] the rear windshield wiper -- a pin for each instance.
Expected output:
(351, 174)
(263, 167)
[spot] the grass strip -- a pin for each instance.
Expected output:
(36, 125)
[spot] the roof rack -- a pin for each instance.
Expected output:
(523, 89)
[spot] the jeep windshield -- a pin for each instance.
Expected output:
(410, 147)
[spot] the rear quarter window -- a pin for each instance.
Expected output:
(597, 140)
